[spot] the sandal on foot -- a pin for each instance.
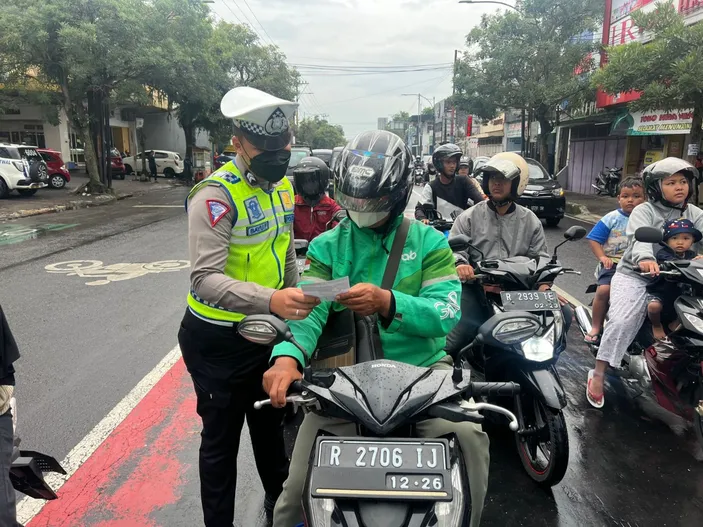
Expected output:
(593, 340)
(592, 400)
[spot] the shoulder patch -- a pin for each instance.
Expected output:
(217, 210)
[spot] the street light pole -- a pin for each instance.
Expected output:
(419, 120)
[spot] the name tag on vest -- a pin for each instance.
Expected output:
(253, 230)
(288, 218)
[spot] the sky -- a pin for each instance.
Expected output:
(362, 34)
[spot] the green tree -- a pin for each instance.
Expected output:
(527, 59)
(319, 133)
(428, 111)
(401, 117)
(85, 50)
(666, 71)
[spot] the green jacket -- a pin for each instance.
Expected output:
(426, 289)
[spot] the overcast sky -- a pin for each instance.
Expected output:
(362, 33)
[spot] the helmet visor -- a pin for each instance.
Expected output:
(507, 169)
(308, 181)
(380, 204)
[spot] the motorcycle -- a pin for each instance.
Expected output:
(419, 175)
(607, 182)
(669, 375)
(542, 440)
(301, 245)
(28, 466)
(386, 475)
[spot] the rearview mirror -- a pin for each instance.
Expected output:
(575, 233)
(649, 235)
(509, 328)
(264, 329)
(460, 242)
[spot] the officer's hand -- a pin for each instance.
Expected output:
(465, 272)
(278, 379)
(292, 304)
(366, 299)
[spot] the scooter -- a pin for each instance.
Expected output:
(419, 176)
(28, 466)
(386, 475)
(542, 440)
(607, 182)
(668, 374)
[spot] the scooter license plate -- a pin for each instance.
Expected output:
(381, 469)
(530, 300)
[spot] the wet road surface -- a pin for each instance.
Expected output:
(86, 346)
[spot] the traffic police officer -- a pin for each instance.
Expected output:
(243, 263)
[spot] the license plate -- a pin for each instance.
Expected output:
(381, 469)
(530, 300)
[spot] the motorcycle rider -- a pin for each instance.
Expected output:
(449, 186)
(500, 228)
(374, 181)
(669, 186)
(466, 167)
(314, 210)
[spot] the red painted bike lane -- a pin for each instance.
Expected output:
(145, 467)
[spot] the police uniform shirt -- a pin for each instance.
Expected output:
(209, 243)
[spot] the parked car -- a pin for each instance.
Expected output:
(324, 154)
(119, 171)
(168, 163)
(222, 160)
(297, 153)
(58, 173)
(543, 194)
(23, 169)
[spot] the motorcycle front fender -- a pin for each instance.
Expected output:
(543, 384)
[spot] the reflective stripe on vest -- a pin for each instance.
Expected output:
(259, 239)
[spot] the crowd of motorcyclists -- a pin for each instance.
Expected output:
(423, 302)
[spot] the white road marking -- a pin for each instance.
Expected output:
(593, 220)
(158, 207)
(27, 508)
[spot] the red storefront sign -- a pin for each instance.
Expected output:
(469, 123)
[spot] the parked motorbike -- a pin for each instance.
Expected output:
(607, 182)
(301, 246)
(542, 440)
(386, 475)
(28, 466)
(668, 374)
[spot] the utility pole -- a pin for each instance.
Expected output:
(419, 128)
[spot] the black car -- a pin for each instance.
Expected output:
(543, 194)
(324, 154)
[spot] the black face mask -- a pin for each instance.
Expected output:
(270, 166)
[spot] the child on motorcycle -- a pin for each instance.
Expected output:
(608, 242)
(315, 212)
(679, 236)
(669, 186)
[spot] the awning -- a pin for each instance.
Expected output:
(622, 124)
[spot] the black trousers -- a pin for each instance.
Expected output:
(227, 372)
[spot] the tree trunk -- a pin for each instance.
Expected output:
(189, 130)
(94, 185)
(144, 176)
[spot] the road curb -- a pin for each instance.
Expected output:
(580, 212)
(71, 205)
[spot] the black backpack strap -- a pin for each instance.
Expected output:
(396, 253)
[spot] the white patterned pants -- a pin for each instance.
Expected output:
(628, 308)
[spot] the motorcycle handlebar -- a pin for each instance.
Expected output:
(494, 389)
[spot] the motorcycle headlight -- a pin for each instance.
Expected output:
(515, 330)
(558, 192)
(539, 349)
(695, 321)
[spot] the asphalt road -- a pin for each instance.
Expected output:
(86, 346)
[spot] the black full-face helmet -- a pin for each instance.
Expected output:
(311, 177)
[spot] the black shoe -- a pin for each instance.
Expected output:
(269, 504)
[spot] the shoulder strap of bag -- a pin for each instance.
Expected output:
(396, 252)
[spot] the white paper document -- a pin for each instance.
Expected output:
(327, 290)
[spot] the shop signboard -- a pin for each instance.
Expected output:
(661, 122)
(514, 130)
